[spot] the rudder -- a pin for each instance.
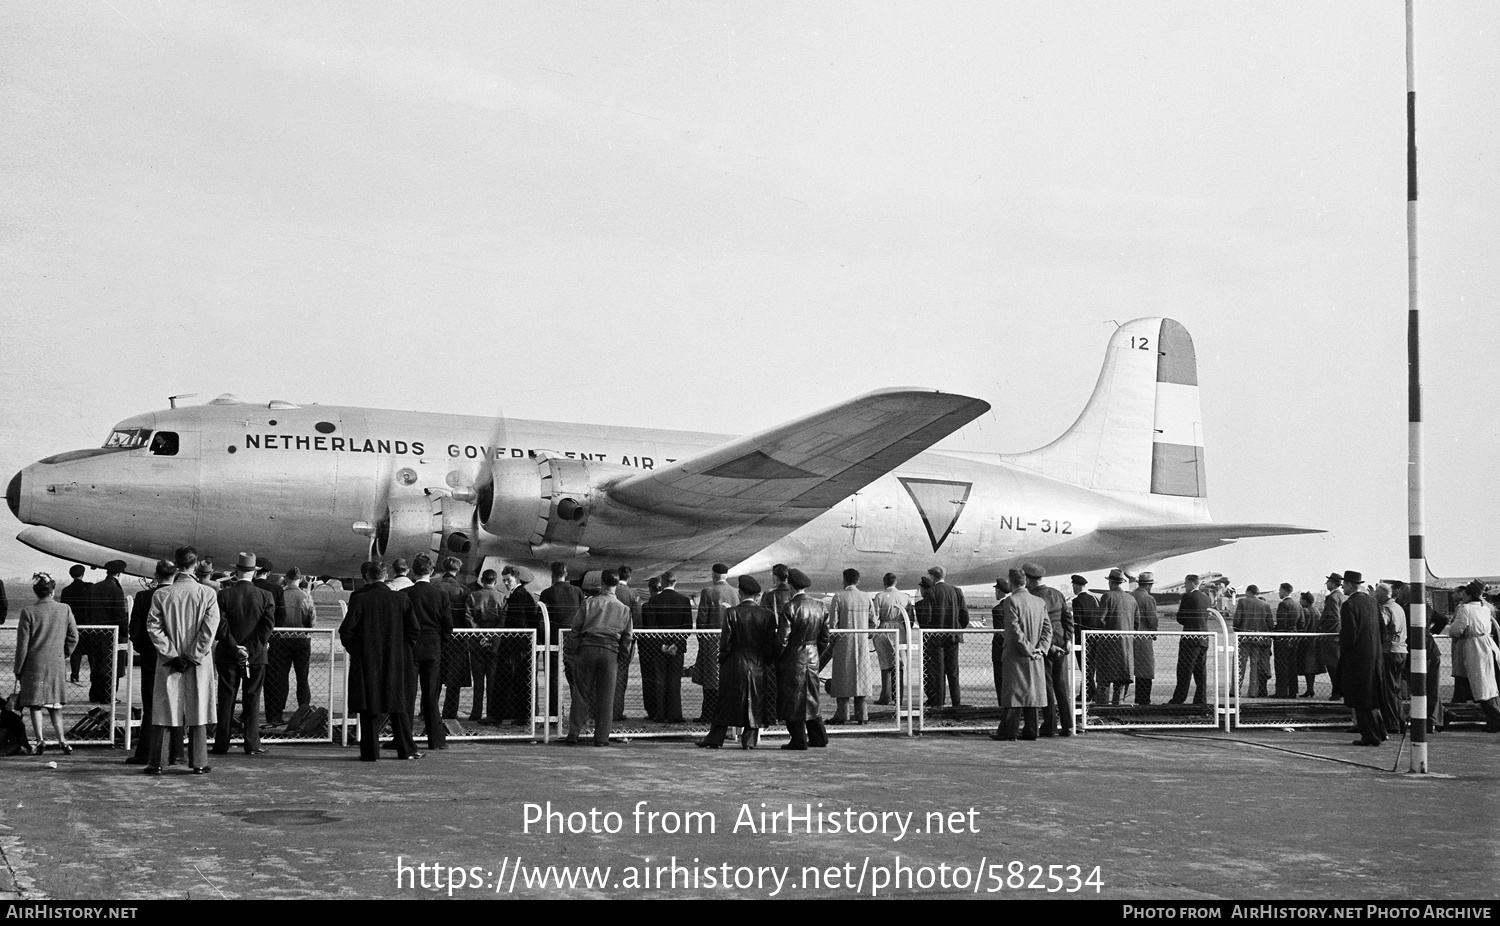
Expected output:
(1142, 429)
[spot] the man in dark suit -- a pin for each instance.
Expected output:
(661, 654)
(1192, 652)
(77, 596)
(946, 611)
(247, 616)
(107, 607)
(1085, 617)
(564, 601)
(434, 616)
(378, 634)
(1288, 618)
(145, 657)
(458, 659)
(1253, 619)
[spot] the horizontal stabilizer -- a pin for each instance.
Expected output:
(1176, 535)
(810, 463)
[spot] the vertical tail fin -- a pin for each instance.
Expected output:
(1142, 429)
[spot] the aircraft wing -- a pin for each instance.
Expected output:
(789, 474)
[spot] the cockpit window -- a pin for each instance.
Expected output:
(164, 444)
(127, 438)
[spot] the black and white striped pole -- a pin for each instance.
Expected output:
(1415, 512)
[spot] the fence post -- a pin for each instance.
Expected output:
(1083, 721)
(129, 693)
(546, 699)
(1229, 683)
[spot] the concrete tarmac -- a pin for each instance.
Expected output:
(1168, 816)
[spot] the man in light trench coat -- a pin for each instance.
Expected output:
(182, 624)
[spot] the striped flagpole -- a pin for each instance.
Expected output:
(1415, 509)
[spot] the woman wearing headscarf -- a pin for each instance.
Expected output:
(46, 636)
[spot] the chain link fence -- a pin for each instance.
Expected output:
(491, 681)
(93, 709)
(1153, 678)
(669, 686)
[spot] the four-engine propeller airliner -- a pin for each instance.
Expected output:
(325, 487)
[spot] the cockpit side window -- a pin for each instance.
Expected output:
(164, 444)
(127, 438)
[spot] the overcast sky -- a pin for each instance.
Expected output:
(716, 216)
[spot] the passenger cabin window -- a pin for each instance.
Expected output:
(164, 444)
(127, 438)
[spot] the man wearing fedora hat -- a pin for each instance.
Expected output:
(1144, 648)
(1360, 661)
(1117, 653)
(1058, 720)
(248, 615)
(1329, 622)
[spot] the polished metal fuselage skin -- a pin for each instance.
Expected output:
(292, 483)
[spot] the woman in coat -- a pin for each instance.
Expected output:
(1307, 650)
(1475, 651)
(45, 637)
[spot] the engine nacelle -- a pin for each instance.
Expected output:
(546, 504)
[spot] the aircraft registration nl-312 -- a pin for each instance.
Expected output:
(326, 487)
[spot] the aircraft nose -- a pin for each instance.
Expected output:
(13, 495)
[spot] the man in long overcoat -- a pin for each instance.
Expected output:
(662, 655)
(1360, 660)
(378, 633)
(1117, 654)
(747, 642)
(892, 610)
(242, 654)
(1144, 648)
(774, 600)
(851, 609)
(713, 601)
(1059, 717)
(182, 625)
(145, 654)
(1023, 667)
(804, 646)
